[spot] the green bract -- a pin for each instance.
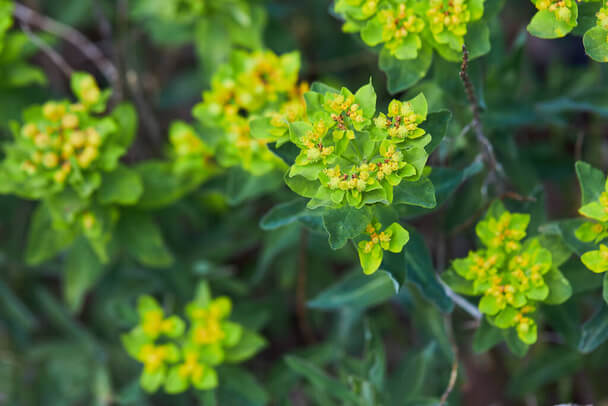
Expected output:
(371, 251)
(557, 18)
(250, 104)
(409, 31)
(596, 231)
(63, 145)
(512, 276)
(217, 27)
(352, 156)
(190, 155)
(177, 358)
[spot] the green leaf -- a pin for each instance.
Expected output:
(445, 181)
(457, 283)
(477, 39)
(560, 252)
(486, 337)
(596, 44)
(516, 346)
(175, 383)
(605, 288)
(122, 186)
(421, 272)
(543, 369)
(162, 187)
(321, 381)
(436, 124)
(126, 118)
(344, 224)
(242, 186)
(250, 344)
(546, 25)
(44, 241)
(408, 381)
(403, 74)
(283, 214)
(366, 98)
(356, 291)
(420, 193)
(595, 331)
(565, 320)
(592, 182)
(559, 287)
(240, 381)
(82, 270)
(14, 310)
(142, 239)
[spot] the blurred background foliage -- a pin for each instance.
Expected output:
(334, 335)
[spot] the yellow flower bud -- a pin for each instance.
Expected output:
(69, 121)
(50, 160)
(29, 130)
(77, 139)
(88, 220)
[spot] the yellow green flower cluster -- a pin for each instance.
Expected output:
(510, 274)
(595, 231)
(562, 9)
(63, 143)
(348, 156)
(188, 151)
(258, 86)
(176, 356)
(403, 26)
(371, 251)
(602, 18)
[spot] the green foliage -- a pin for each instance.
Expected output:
(352, 157)
(191, 356)
(555, 19)
(512, 276)
(278, 194)
(595, 208)
(408, 32)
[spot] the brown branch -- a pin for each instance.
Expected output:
(301, 288)
(454, 372)
(476, 123)
(32, 18)
(53, 55)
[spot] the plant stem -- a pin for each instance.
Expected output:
(32, 18)
(476, 123)
(301, 289)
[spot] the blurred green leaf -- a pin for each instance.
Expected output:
(421, 272)
(595, 331)
(321, 381)
(356, 290)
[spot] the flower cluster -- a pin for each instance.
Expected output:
(371, 251)
(602, 18)
(557, 18)
(404, 25)
(188, 151)
(563, 10)
(257, 86)
(350, 156)
(176, 356)
(63, 143)
(510, 274)
(595, 231)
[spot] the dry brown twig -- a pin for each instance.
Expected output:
(454, 371)
(476, 124)
(32, 18)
